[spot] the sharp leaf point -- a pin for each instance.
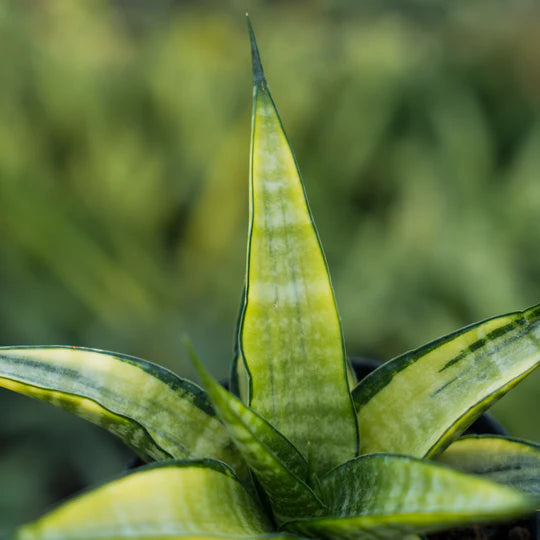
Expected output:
(258, 73)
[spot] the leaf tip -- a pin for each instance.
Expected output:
(206, 378)
(258, 73)
(192, 354)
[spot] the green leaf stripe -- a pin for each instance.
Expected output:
(151, 409)
(419, 402)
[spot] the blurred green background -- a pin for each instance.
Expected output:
(124, 138)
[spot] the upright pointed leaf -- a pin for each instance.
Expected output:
(185, 498)
(388, 496)
(290, 333)
(281, 470)
(500, 459)
(151, 409)
(418, 403)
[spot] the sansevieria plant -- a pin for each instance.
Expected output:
(297, 448)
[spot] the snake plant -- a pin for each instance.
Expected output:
(298, 447)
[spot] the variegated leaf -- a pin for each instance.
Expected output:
(504, 460)
(155, 412)
(418, 403)
(389, 496)
(276, 536)
(186, 498)
(281, 470)
(290, 340)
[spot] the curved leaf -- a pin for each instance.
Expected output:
(280, 536)
(388, 496)
(290, 338)
(185, 498)
(151, 409)
(419, 402)
(503, 460)
(281, 470)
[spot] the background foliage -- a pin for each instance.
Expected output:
(124, 131)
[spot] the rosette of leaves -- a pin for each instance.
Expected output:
(298, 448)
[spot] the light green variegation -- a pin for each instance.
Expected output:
(279, 467)
(418, 403)
(176, 499)
(290, 428)
(290, 334)
(155, 412)
(280, 536)
(383, 495)
(503, 460)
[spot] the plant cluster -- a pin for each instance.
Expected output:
(298, 447)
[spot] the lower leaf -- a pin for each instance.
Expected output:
(277, 536)
(500, 459)
(183, 498)
(388, 496)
